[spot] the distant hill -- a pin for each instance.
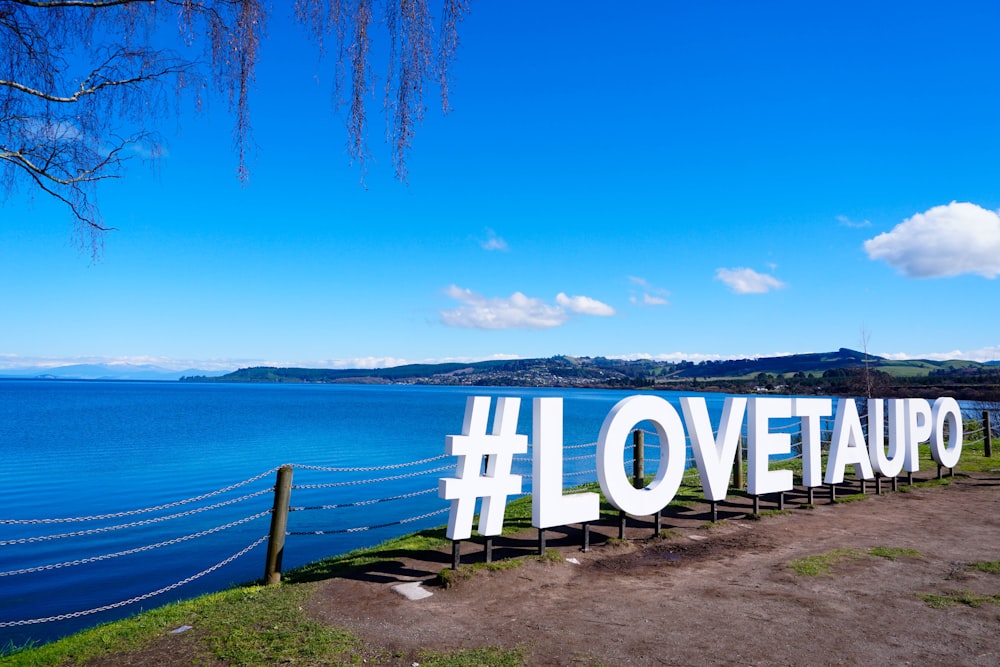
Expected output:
(794, 363)
(103, 372)
(844, 372)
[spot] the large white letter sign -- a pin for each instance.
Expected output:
(714, 457)
(549, 507)
(848, 445)
(761, 444)
(611, 452)
(892, 464)
(470, 448)
(946, 409)
(918, 429)
(811, 411)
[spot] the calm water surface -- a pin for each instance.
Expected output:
(78, 449)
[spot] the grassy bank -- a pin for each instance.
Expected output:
(253, 625)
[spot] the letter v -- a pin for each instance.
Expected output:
(714, 457)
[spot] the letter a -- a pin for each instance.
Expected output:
(848, 445)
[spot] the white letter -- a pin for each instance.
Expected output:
(549, 507)
(714, 457)
(848, 445)
(810, 410)
(945, 408)
(611, 452)
(761, 444)
(918, 429)
(890, 465)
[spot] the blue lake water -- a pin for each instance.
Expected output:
(85, 449)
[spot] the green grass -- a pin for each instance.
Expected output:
(988, 566)
(449, 577)
(955, 598)
(853, 498)
(763, 514)
(247, 626)
(823, 564)
(930, 483)
(480, 657)
(893, 553)
(425, 540)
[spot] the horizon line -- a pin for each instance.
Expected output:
(17, 362)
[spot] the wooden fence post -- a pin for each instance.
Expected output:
(738, 470)
(638, 459)
(279, 524)
(987, 436)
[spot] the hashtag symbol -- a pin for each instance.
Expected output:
(471, 448)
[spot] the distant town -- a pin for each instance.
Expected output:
(842, 373)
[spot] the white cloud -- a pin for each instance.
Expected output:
(983, 354)
(493, 242)
(650, 300)
(651, 296)
(584, 305)
(747, 281)
(944, 241)
(847, 222)
(694, 357)
(516, 311)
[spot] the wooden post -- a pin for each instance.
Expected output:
(279, 525)
(987, 436)
(738, 470)
(456, 554)
(638, 459)
(488, 549)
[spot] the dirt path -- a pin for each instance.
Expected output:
(713, 596)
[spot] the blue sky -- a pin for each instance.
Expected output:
(677, 180)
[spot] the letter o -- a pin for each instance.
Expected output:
(945, 408)
(617, 425)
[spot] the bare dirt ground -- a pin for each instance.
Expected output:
(720, 595)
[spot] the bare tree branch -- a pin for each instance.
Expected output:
(78, 75)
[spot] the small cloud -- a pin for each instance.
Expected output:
(943, 241)
(847, 222)
(651, 296)
(983, 354)
(747, 281)
(517, 311)
(584, 305)
(514, 312)
(492, 242)
(650, 300)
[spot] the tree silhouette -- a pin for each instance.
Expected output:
(84, 82)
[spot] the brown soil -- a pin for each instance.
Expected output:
(721, 595)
